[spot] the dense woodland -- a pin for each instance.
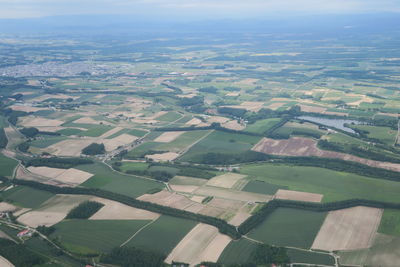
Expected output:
(84, 210)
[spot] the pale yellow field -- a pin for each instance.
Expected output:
(7, 207)
(348, 229)
(168, 137)
(227, 180)
(194, 121)
(275, 106)
(121, 140)
(297, 195)
(89, 120)
(52, 211)
(5, 263)
(231, 194)
(72, 177)
(167, 156)
(184, 188)
(26, 108)
(70, 147)
(113, 210)
(202, 243)
(234, 125)
(32, 121)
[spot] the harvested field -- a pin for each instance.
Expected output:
(72, 177)
(227, 180)
(70, 147)
(52, 211)
(312, 109)
(348, 229)
(111, 132)
(194, 121)
(202, 243)
(88, 120)
(168, 137)
(217, 119)
(169, 199)
(234, 125)
(233, 94)
(47, 96)
(26, 108)
(299, 146)
(113, 210)
(121, 140)
(5, 263)
(247, 81)
(239, 218)
(231, 194)
(298, 196)
(167, 156)
(32, 121)
(7, 207)
(275, 106)
(184, 188)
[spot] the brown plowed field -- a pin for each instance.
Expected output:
(299, 146)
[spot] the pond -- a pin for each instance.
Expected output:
(336, 123)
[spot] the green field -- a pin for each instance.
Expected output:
(135, 132)
(262, 126)
(162, 235)
(262, 187)
(96, 131)
(222, 142)
(142, 149)
(390, 222)
(7, 166)
(169, 117)
(85, 236)
(182, 141)
(47, 141)
(289, 227)
(26, 197)
(70, 131)
(134, 166)
(384, 134)
(237, 252)
(300, 256)
(333, 185)
(113, 181)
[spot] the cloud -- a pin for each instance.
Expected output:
(192, 8)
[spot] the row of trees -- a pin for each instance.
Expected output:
(19, 254)
(94, 149)
(131, 257)
(222, 225)
(54, 162)
(3, 138)
(272, 205)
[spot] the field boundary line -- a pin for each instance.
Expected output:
(186, 149)
(137, 232)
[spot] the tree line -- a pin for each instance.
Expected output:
(54, 162)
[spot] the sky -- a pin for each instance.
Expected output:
(192, 9)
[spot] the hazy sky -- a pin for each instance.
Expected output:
(196, 9)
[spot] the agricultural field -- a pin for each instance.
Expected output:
(289, 227)
(201, 146)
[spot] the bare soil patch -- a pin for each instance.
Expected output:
(184, 188)
(121, 140)
(26, 108)
(299, 146)
(202, 243)
(32, 121)
(225, 193)
(167, 156)
(275, 106)
(113, 210)
(234, 125)
(312, 109)
(7, 207)
(348, 229)
(297, 195)
(194, 121)
(70, 147)
(72, 177)
(227, 180)
(168, 137)
(89, 120)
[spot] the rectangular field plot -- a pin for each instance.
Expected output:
(334, 185)
(86, 236)
(289, 227)
(237, 251)
(202, 243)
(107, 179)
(261, 187)
(26, 197)
(7, 165)
(162, 235)
(298, 196)
(348, 229)
(390, 222)
(227, 180)
(300, 256)
(262, 126)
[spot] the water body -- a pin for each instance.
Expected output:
(336, 123)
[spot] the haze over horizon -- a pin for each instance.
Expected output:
(192, 9)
